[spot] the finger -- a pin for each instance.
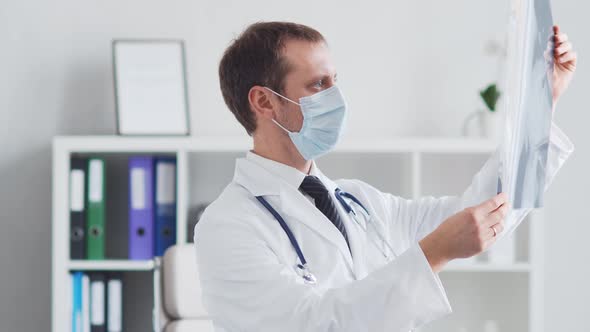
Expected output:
(499, 227)
(490, 237)
(505, 205)
(496, 217)
(492, 204)
(556, 29)
(561, 38)
(490, 233)
(563, 48)
(567, 57)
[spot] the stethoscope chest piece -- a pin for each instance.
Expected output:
(308, 277)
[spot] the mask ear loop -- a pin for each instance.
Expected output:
(280, 95)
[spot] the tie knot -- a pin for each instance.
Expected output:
(312, 186)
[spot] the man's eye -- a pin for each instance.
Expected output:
(318, 84)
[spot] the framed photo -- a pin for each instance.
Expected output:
(150, 87)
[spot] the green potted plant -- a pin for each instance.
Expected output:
(491, 120)
(487, 121)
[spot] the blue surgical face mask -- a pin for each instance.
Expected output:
(324, 116)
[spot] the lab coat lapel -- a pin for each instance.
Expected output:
(295, 205)
(260, 182)
(354, 232)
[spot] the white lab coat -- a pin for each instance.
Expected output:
(247, 264)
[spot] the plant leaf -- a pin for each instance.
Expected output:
(490, 96)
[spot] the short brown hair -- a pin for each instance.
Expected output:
(255, 58)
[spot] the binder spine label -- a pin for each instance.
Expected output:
(96, 180)
(97, 303)
(165, 183)
(115, 305)
(138, 188)
(77, 190)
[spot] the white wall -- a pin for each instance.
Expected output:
(407, 68)
(567, 254)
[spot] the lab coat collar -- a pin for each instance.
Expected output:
(261, 182)
(249, 173)
(256, 179)
(291, 175)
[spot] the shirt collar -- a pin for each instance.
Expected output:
(291, 175)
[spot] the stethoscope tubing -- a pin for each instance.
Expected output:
(307, 275)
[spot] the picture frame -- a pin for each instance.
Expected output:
(151, 90)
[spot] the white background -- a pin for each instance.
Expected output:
(406, 67)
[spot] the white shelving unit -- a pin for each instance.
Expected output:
(110, 265)
(413, 152)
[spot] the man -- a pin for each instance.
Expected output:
(277, 251)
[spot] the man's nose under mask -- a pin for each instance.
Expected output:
(324, 118)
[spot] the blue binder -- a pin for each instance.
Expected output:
(165, 203)
(77, 301)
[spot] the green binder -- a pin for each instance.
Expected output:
(95, 219)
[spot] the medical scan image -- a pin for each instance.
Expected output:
(529, 102)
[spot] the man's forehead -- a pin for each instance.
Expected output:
(309, 57)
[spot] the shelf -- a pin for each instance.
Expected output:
(111, 265)
(151, 144)
(487, 267)
(411, 158)
(241, 144)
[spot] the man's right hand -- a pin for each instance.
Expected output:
(466, 233)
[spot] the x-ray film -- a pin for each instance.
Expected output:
(528, 103)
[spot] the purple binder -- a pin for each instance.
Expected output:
(141, 208)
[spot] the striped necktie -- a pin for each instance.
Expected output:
(323, 201)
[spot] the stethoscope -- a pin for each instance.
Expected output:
(305, 272)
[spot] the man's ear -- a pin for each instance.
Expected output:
(262, 102)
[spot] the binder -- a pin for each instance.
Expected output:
(97, 302)
(115, 303)
(165, 204)
(76, 279)
(95, 241)
(77, 208)
(141, 208)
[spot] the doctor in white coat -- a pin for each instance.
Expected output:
(283, 249)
